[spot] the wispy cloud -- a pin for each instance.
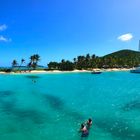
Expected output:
(4, 39)
(3, 27)
(125, 37)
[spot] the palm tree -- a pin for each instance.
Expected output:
(63, 60)
(75, 62)
(74, 59)
(93, 56)
(87, 61)
(22, 61)
(37, 58)
(66, 65)
(88, 56)
(34, 60)
(53, 65)
(29, 65)
(14, 63)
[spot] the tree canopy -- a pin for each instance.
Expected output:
(119, 59)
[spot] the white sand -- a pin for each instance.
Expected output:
(74, 71)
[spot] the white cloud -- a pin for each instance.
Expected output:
(4, 39)
(3, 27)
(125, 37)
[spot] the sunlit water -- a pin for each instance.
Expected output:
(52, 106)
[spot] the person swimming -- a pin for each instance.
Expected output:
(89, 123)
(34, 81)
(84, 130)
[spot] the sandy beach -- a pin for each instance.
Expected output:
(74, 71)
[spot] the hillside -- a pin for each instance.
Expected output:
(124, 54)
(122, 58)
(119, 59)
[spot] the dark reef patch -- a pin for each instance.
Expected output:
(32, 76)
(6, 93)
(118, 129)
(75, 115)
(22, 115)
(7, 101)
(35, 116)
(58, 104)
(133, 105)
(7, 106)
(54, 101)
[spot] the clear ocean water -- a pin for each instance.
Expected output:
(52, 106)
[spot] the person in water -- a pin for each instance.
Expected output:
(84, 130)
(34, 81)
(89, 123)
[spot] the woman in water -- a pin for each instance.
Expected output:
(84, 130)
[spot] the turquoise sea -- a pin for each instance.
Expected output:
(52, 106)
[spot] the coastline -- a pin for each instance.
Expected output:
(74, 71)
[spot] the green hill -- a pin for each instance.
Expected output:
(122, 58)
(119, 59)
(124, 54)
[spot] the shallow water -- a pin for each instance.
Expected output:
(52, 106)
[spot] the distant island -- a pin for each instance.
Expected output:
(120, 59)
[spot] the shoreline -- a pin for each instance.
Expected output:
(74, 71)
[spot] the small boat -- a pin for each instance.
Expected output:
(136, 70)
(96, 72)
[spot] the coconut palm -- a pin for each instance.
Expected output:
(74, 59)
(88, 57)
(29, 65)
(63, 60)
(93, 56)
(14, 63)
(34, 60)
(37, 58)
(22, 61)
(75, 62)
(53, 65)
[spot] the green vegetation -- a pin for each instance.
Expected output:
(63, 66)
(66, 65)
(14, 63)
(123, 58)
(120, 59)
(17, 67)
(34, 61)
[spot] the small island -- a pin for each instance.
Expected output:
(117, 61)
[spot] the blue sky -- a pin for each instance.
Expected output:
(57, 29)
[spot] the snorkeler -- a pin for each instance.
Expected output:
(84, 130)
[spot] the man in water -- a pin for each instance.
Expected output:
(89, 123)
(85, 127)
